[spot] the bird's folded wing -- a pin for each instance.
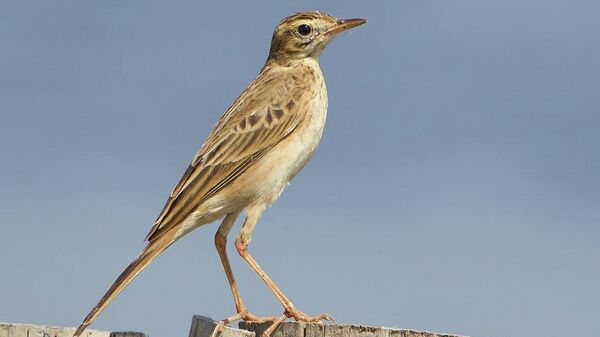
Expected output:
(257, 121)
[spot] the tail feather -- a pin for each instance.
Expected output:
(148, 254)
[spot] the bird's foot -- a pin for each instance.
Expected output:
(243, 315)
(247, 316)
(299, 316)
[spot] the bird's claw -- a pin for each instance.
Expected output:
(243, 315)
(250, 317)
(247, 316)
(299, 316)
(218, 329)
(276, 323)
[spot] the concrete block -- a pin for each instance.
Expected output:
(36, 330)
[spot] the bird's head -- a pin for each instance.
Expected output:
(306, 34)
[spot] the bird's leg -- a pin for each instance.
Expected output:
(242, 311)
(220, 244)
(241, 244)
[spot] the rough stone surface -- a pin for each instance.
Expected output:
(127, 334)
(34, 330)
(314, 330)
(204, 326)
(293, 329)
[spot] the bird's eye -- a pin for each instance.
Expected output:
(304, 29)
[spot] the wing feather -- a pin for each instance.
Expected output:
(258, 120)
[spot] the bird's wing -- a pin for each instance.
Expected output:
(264, 114)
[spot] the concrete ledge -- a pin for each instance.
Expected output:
(293, 329)
(204, 326)
(35, 330)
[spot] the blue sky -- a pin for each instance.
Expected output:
(456, 189)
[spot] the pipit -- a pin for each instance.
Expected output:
(259, 144)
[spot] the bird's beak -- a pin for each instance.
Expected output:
(344, 24)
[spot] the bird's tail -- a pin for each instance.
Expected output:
(152, 250)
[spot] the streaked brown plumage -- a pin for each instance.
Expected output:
(259, 144)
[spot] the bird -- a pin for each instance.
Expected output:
(258, 145)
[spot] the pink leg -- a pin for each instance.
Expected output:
(241, 310)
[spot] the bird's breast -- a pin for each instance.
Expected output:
(288, 157)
